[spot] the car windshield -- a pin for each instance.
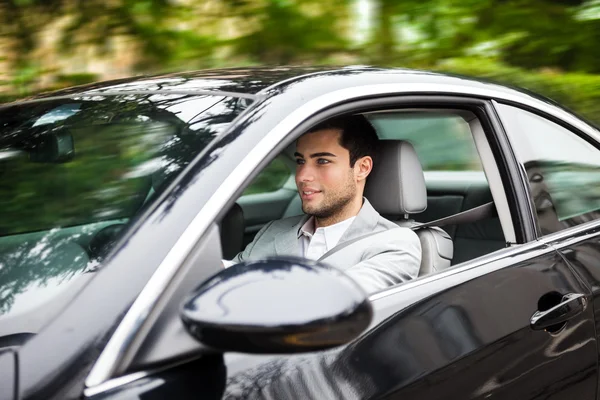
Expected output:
(74, 172)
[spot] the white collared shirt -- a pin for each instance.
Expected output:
(316, 243)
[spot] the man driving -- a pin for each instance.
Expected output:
(339, 226)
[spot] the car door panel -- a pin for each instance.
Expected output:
(466, 336)
(582, 252)
(475, 340)
(469, 341)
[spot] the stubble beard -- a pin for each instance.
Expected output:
(331, 206)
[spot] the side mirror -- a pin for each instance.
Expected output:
(277, 306)
(53, 148)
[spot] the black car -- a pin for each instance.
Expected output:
(119, 201)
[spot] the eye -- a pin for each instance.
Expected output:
(537, 178)
(323, 161)
(299, 161)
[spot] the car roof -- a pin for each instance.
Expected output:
(305, 81)
(262, 80)
(235, 80)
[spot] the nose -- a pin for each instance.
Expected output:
(304, 173)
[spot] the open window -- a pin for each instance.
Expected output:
(455, 182)
(460, 174)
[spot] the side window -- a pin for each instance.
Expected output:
(270, 179)
(563, 169)
(432, 135)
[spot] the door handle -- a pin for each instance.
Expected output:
(572, 304)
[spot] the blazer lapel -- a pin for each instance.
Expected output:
(287, 242)
(365, 222)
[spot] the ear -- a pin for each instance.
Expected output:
(362, 168)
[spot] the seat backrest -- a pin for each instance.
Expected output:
(396, 189)
(437, 248)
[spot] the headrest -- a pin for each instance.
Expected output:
(396, 185)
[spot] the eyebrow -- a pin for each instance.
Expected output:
(315, 155)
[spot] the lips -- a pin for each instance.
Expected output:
(307, 194)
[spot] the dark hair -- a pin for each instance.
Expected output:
(357, 135)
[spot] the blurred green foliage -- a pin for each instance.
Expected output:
(270, 179)
(548, 46)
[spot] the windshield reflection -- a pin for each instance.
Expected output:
(76, 173)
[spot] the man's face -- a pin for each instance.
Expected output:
(326, 182)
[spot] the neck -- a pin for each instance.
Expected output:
(348, 211)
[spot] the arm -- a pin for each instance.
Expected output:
(393, 260)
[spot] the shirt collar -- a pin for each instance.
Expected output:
(332, 233)
(308, 229)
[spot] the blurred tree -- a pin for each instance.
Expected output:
(157, 26)
(284, 32)
(383, 39)
(169, 35)
(559, 34)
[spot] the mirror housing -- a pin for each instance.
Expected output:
(56, 147)
(49, 148)
(277, 305)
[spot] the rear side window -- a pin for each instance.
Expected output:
(442, 142)
(562, 168)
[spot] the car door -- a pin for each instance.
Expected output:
(477, 339)
(515, 324)
(518, 323)
(473, 332)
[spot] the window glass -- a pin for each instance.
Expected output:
(563, 169)
(442, 142)
(270, 179)
(74, 172)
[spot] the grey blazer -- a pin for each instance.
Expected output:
(377, 262)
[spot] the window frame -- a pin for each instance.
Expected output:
(470, 105)
(497, 161)
(474, 112)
